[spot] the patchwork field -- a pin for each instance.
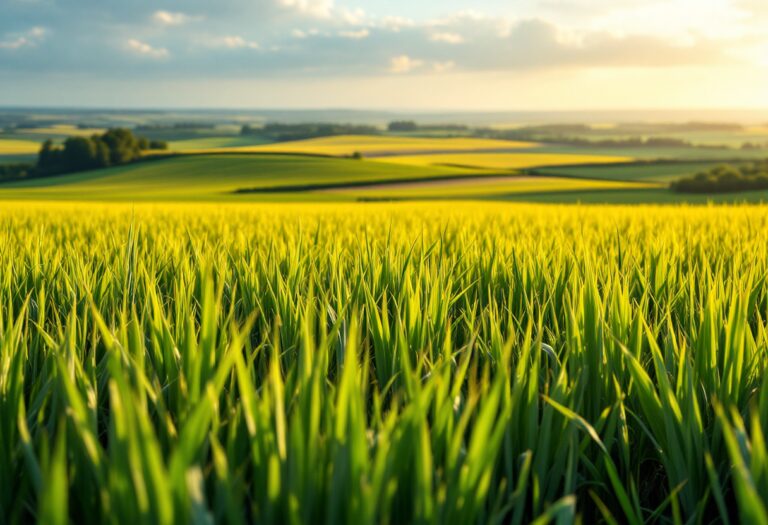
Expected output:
(214, 143)
(60, 131)
(640, 172)
(214, 177)
(348, 145)
(18, 147)
(243, 168)
(503, 161)
(485, 187)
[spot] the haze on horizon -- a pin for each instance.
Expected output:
(523, 54)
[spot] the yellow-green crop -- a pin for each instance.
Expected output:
(387, 363)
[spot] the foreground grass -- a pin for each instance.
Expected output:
(445, 363)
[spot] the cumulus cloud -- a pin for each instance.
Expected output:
(404, 64)
(142, 48)
(316, 8)
(447, 38)
(234, 42)
(169, 18)
(313, 37)
(29, 38)
(355, 35)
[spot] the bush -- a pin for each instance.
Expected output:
(15, 171)
(726, 178)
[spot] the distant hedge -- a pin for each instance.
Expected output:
(15, 171)
(287, 132)
(725, 178)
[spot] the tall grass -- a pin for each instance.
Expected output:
(383, 364)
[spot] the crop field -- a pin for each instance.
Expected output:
(485, 187)
(213, 143)
(504, 161)
(639, 172)
(659, 153)
(60, 131)
(214, 177)
(347, 145)
(18, 147)
(382, 363)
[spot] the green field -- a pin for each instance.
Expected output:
(490, 187)
(213, 177)
(639, 172)
(244, 168)
(382, 363)
(205, 143)
(236, 177)
(666, 154)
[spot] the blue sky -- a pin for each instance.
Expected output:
(417, 54)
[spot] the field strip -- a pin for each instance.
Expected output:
(371, 145)
(478, 186)
(351, 185)
(18, 147)
(505, 160)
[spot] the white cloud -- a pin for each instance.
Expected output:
(404, 64)
(395, 23)
(29, 38)
(352, 17)
(234, 42)
(142, 48)
(442, 67)
(315, 8)
(355, 35)
(447, 38)
(169, 18)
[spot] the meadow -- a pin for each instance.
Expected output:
(382, 363)
(214, 177)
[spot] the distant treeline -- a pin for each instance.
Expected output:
(175, 126)
(411, 126)
(114, 147)
(285, 132)
(530, 134)
(726, 178)
(16, 171)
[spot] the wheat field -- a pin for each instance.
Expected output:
(387, 363)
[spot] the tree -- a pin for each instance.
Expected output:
(403, 125)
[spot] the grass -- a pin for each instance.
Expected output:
(213, 143)
(503, 161)
(28, 158)
(212, 177)
(59, 131)
(347, 145)
(409, 363)
(486, 187)
(640, 196)
(666, 154)
(642, 172)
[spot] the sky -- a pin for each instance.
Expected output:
(385, 54)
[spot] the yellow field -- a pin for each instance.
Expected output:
(503, 160)
(64, 129)
(18, 147)
(486, 187)
(346, 145)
